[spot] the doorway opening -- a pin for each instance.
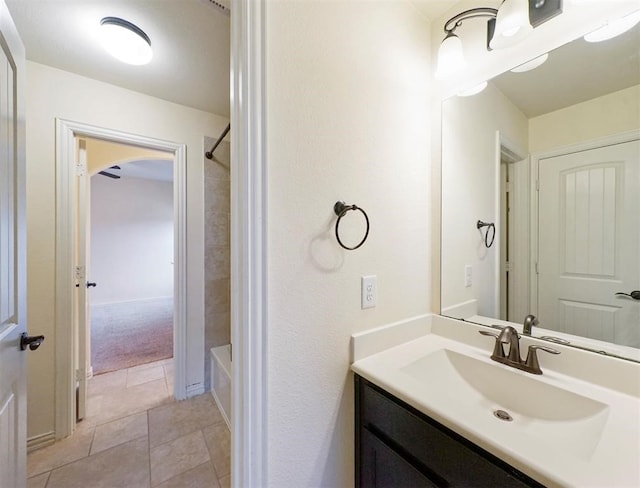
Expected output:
(73, 350)
(129, 260)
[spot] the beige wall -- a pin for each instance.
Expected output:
(88, 101)
(102, 154)
(470, 176)
(348, 119)
(603, 116)
(132, 229)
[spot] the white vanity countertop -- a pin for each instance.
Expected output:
(601, 448)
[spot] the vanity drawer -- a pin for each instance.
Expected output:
(441, 455)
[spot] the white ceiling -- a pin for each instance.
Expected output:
(574, 73)
(190, 41)
(160, 170)
(433, 9)
(191, 64)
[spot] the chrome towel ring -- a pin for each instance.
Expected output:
(341, 209)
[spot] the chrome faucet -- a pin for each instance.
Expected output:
(529, 322)
(509, 335)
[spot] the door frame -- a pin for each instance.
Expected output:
(609, 140)
(249, 213)
(66, 216)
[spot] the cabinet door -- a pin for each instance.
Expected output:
(381, 467)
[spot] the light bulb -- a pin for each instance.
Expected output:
(450, 56)
(512, 24)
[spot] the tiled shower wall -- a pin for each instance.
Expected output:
(217, 250)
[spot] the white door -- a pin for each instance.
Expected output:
(589, 243)
(515, 239)
(82, 322)
(13, 249)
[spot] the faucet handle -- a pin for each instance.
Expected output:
(531, 363)
(498, 351)
(487, 333)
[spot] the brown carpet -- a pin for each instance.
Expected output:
(131, 333)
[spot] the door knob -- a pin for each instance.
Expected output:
(90, 284)
(635, 295)
(32, 341)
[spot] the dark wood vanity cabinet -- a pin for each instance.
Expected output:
(396, 446)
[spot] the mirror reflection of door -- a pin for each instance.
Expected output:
(589, 243)
(514, 234)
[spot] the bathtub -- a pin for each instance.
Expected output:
(221, 379)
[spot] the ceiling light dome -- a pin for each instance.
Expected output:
(125, 41)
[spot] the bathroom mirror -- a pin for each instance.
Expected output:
(549, 160)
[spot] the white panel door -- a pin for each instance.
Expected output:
(12, 259)
(82, 320)
(589, 243)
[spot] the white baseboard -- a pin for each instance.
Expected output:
(375, 340)
(39, 441)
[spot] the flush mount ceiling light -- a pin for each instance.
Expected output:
(125, 41)
(507, 26)
(614, 28)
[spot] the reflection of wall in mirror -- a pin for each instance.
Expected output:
(470, 178)
(603, 116)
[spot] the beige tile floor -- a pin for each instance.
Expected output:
(137, 435)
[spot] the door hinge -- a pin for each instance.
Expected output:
(80, 375)
(507, 266)
(81, 169)
(79, 275)
(537, 269)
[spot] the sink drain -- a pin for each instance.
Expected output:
(502, 415)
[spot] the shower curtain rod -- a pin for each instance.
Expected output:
(209, 155)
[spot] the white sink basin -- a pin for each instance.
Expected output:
(538, 410)
(565, 431)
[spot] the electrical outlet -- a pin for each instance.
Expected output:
(369, 291)
(468, 276)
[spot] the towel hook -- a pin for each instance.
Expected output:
(341, 209)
